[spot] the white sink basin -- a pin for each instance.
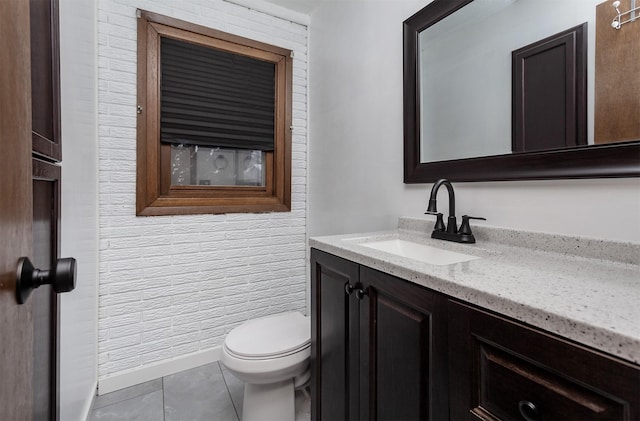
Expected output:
(426, 254)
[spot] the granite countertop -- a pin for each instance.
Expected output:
(583, 289)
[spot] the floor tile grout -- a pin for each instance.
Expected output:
(154, 404)
(224, 378)
(164, 414)
(125, 400)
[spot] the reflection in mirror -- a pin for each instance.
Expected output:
(458, 93)
(465, 72)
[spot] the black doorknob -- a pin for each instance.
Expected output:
(62, 277)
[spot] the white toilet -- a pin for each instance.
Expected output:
(271, 355)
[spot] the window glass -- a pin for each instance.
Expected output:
(206, 166)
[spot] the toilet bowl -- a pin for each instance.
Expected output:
(271, 356)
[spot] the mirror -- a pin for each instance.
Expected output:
(458, 93)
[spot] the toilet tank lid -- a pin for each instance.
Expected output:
(270, 335)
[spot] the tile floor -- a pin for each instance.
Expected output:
(206, 393)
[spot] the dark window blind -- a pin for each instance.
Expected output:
(214, 98)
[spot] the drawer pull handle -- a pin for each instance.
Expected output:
(528, 411)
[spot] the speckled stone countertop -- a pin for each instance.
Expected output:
(583, 289)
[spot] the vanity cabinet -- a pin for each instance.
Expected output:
(386, 349)
(378, 345)
(500, 369)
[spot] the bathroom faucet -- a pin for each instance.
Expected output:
(451, 231)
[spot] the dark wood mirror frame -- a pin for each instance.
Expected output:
(594, 161)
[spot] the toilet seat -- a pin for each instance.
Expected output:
(270, 337)
(271, 356)
(262, 357)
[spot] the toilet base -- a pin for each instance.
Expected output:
(269, 402)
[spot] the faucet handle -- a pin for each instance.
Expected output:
(439, 225)
(465, 228)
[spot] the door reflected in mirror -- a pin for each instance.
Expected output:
(465, 83)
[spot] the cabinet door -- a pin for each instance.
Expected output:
(505, 370)
(403, 342)
(334, 338)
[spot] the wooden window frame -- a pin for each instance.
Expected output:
(154, 193)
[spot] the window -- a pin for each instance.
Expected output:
(214, 118)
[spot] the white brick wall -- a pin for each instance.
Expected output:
(176, 284)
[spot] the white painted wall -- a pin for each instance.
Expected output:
(355, 152)
(79, 225)
(172, 287)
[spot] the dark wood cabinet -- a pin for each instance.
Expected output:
(379, 347)
(500, 369)
(387, 349)
(403, 350)
(335, 357)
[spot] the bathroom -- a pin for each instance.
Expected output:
(156, 295)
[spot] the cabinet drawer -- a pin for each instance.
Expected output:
(512, 387)
(501, 369)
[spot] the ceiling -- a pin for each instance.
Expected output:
(301, 6)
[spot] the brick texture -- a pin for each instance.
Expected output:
(173, 285)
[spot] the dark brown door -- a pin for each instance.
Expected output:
(16, 211)
(617, 74)
(549, 101)
(29, 205)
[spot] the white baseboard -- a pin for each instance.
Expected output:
(88, 406)
(155, 371)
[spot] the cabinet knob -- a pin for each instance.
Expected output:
(348, 288)
(529, 411)
(361, 293)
